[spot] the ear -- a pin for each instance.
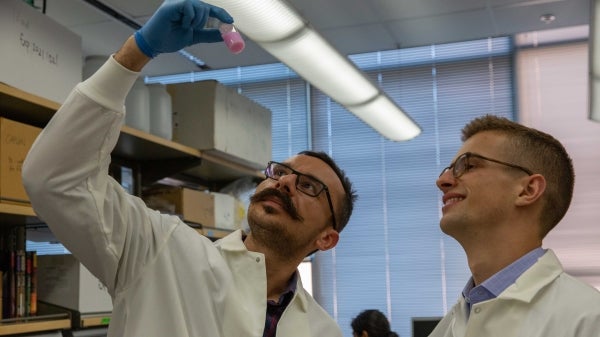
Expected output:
(327, 239)
(532, 189)
(364, 334)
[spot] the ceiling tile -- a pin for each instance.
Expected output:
(336, 13)
(444, 28)
(511, 20)
(360, 39)
(391, 10)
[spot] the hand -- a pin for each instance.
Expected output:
(178, 24)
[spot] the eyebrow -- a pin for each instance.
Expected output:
(306, 174)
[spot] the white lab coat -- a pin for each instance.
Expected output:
(543, 302)
(165, 279)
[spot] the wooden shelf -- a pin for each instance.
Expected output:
(155, 153)
(50, 318)
(95, 320)
(10, 329)
(17, 215)
(159, 158)
(24, 107)
(24, 210)
(139, 145)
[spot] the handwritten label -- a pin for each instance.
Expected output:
(34, 48)
(15, 165)
(15, 140)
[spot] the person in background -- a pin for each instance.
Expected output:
(164, 278)
(507, 188)
(371, 323)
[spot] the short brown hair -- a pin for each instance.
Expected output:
(539, 152)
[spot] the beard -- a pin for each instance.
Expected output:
(272, 233)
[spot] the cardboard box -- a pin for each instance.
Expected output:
(209, 209)
(212, 117)
(15, 141)
(64, 281)
(38, 55)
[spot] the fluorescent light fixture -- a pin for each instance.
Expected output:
(319, 63)
(594, 62)
(383, 112)
(275, 26)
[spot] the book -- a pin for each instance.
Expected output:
(20, 273)
(32, 283)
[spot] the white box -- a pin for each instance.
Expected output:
(228, 212)
(214, 118)
(38, 55)
(64, 281)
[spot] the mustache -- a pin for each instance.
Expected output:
(286, 201)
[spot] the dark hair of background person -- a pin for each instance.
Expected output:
(374, 323)
(350, 195)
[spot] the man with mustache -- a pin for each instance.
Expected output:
(164, 278)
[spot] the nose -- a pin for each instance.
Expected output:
(445, 181)
(287, 183)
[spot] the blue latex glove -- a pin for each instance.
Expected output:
(178, 24)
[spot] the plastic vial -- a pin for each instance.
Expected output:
(232, 38)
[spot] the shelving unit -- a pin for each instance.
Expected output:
(155, 158)
(49, 318)
(135, 145)
(23, 107)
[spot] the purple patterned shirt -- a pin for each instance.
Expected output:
(276, 309)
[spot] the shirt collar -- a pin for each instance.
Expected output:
(496, 284)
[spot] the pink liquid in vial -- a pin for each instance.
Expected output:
(232, 38)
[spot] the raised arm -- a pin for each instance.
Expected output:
(66, 170)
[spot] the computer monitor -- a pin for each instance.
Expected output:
(423, 326)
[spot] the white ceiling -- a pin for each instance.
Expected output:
(352, 26)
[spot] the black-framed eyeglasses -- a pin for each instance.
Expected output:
(306, 184)
(462, 165)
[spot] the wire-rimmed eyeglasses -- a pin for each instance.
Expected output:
(306, 184)
(462, 165)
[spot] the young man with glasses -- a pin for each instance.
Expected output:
(507, 188)
(164, 278)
